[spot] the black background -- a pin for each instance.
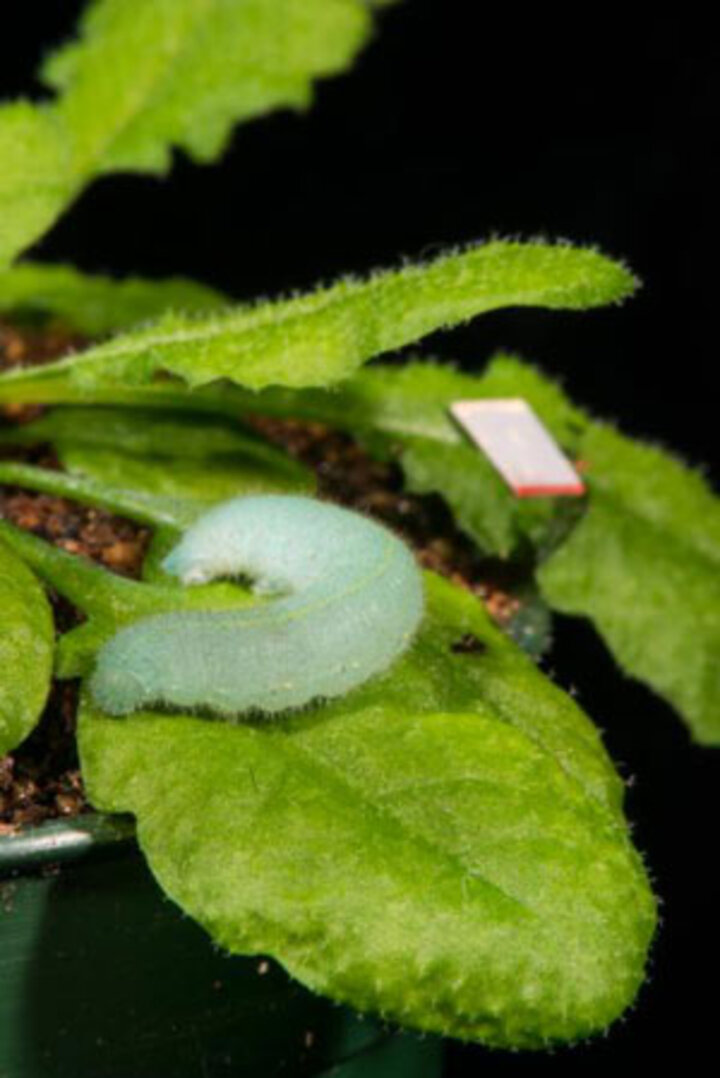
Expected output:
(453, 127)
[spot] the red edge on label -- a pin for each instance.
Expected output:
(573, 490)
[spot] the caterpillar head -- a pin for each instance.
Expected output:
(190, 568)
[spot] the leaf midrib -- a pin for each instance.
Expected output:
(351, 793)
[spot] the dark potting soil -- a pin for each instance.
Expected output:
(41, 780)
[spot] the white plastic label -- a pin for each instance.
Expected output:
(519, 446)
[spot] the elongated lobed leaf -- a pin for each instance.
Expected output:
(33, 175)
(95, 304)
(444, 845)
(146, 432)
(26, 649)
(644, 565)
(323, 337)
(145, 76)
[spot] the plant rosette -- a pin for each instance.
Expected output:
(431, 833)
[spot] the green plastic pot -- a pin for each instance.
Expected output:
(102, 977)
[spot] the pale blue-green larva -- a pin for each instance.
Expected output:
(345, 600)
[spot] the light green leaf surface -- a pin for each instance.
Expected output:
(444, 845)
(183, 489)
(442, 460)
(145, 432)
(323, 337)
(95, 304)
(644, 565)
(26, 649)
(33, 175)
(145, 76)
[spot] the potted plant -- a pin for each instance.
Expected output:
(442, 845)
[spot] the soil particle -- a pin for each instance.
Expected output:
(30, 346)
(116, 543)
(41, 779)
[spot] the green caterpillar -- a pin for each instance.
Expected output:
(346, 599)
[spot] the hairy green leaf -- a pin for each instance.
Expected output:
(94, 304)
(33, 175)
(444, 845)
(437, 457)
(145, 76)
(101, 441)
(26, 649)
(185, 488)
(644, 565)
(145, 432)
(323, 337)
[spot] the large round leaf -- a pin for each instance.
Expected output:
(445, 845)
